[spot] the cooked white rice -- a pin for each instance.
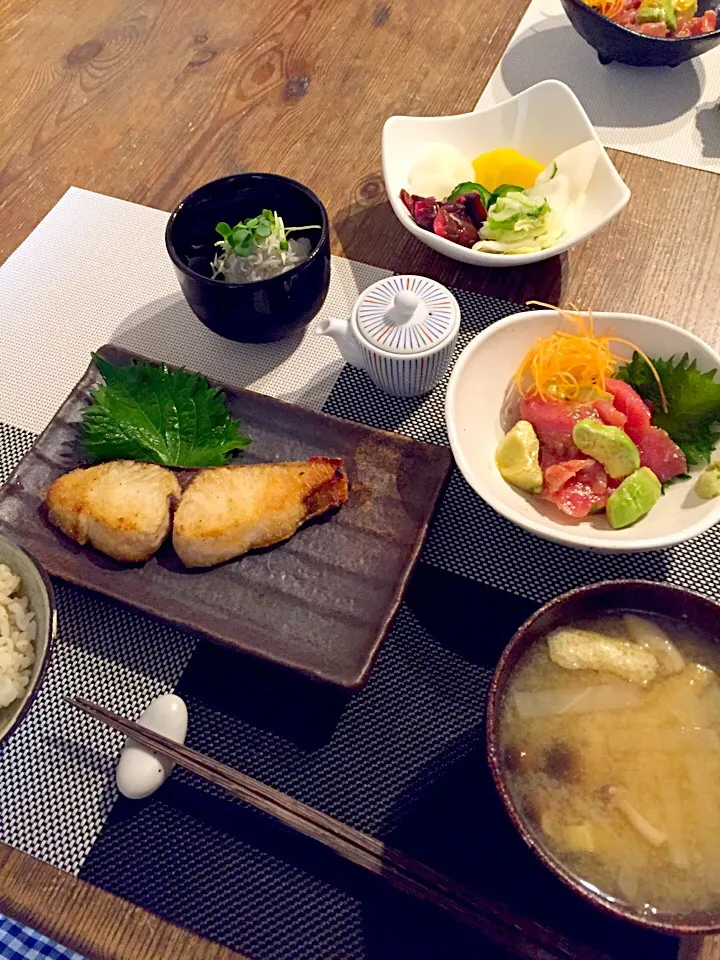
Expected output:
(18, 631)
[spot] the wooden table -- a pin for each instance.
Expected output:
(147, 99)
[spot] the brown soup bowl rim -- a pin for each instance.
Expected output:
(522, 639)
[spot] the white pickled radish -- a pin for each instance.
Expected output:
(578, 165)
(438, 169)
(649, 635)
(548, 703)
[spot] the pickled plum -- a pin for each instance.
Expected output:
(458, 221)
(423, 210)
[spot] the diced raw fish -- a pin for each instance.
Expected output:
(584, 490)
(629, 402)
(553, 421)
(661, 454)
(475, 209)
(609, 413)
(453, 223)
(557, 475)
(423, 210)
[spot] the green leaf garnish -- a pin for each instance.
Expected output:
(693, 400)
(266, 231)
(149, 413)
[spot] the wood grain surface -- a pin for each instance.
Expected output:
(92, 921)
(147, 99)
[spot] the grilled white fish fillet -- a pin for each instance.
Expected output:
(122, 508)
(227, 511)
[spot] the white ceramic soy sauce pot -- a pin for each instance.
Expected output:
(402, 332)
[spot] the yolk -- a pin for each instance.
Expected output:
(506, 165)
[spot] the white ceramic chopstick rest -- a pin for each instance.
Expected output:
(139, 771)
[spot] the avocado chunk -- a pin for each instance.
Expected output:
(518, 458)
(610, 446)
(657, 11)
(635, 496)
(708, 485)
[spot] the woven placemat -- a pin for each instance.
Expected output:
(70, 287)
(404, 760)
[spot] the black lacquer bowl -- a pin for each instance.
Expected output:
(615, 42)
(266, 309)
(598, 599)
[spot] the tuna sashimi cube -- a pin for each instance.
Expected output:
(553, 421)
(576, 487)
(609, 413)
(630, 403)
(661, 454)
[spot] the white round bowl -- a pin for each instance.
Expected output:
(473, 407)
(38, 589)
(541, 122)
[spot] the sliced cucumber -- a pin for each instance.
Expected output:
(548, 174)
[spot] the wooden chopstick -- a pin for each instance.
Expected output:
(522, 936)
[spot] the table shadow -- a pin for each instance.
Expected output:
(616, 95)
(371, 233)
(167, 330)
(707, 120)
(238, 688)
(453, 820)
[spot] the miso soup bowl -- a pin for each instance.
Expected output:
(640, 596)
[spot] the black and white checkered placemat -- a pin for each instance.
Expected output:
(402, 759)
(57, 770)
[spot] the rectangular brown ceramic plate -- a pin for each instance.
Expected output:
(322, 602)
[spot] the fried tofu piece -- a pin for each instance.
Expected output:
(227, 511)
(122, 508)
(576, 649)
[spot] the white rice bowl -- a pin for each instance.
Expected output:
(18, 632)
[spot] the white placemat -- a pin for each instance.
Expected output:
(94, 271)
(668, 114)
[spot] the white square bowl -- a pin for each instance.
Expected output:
(541, 122)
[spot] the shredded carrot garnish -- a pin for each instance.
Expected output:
(573, 366)
(608, 8)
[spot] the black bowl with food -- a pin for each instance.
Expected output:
(616, 42)
(602, 737)
(252, 255)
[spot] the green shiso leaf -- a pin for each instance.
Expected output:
(693, 400)
(149, 413)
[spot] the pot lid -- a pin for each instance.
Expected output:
(407, 314)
